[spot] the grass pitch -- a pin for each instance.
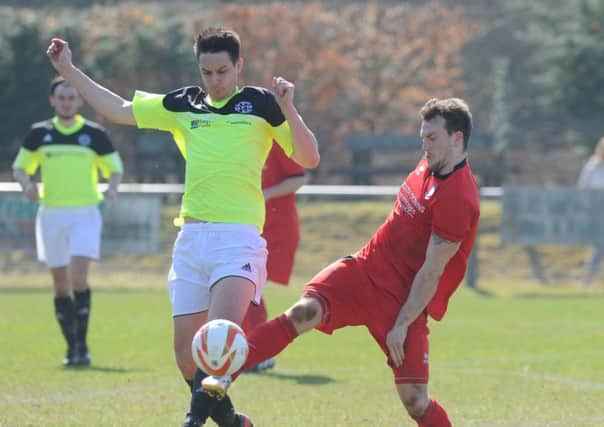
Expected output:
(514, 354)
(523, 358)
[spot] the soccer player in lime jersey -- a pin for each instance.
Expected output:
(225, 133)
(68, 149)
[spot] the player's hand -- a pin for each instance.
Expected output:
(111, 196)
(284, 92)
(31, 192)
(395, 341)
(60, 55)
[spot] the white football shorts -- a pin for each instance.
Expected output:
(63, 232)
(206, 252)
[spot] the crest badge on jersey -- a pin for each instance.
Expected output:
(47, 138)
(428, 194)
(84, 140)
(244, 107)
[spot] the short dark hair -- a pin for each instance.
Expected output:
(456, 113)
(215, 39)
(54, 83)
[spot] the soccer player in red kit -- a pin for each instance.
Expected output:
(281, 178)
(405, 273)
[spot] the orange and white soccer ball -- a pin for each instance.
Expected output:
(219, 348)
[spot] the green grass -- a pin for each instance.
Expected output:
(528, 357)
(517, 353)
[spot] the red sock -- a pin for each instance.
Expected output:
(434, 416)
(268, 340)
(256, 315)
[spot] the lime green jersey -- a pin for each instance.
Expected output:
(69, 159)
(224, 144)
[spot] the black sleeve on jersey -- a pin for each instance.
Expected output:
(273, 112)
(189, 98)
(33, 139)
(101, 144)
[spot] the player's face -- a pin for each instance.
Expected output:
(219, 74)
(438, 145)
(66, 101)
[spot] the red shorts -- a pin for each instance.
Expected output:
(349, 298)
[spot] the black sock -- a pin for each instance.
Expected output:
(224, 412)
(202, 404)
(65, 315)
(82, 312)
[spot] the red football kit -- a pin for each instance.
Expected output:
(370, 287)
(281, 229)
(281, 226)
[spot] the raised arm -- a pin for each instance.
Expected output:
(424, 285)
(107, 103)
(306, 148)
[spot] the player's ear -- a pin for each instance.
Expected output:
(458, 138)
(239, 64)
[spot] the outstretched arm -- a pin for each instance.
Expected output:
(424, 286)
(306, 148)
(107, 103)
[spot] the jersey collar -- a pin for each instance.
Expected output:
(457, 166)
(76, 126)
(222, 102)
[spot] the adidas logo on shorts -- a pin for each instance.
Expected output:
(247, 267)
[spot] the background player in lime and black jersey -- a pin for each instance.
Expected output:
(69, 150)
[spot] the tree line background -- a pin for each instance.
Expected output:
(531, 71)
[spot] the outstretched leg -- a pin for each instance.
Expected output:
(271, 338)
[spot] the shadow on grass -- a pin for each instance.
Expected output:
(299, 379)
(97, 368)
(558, 296)
(481, 292)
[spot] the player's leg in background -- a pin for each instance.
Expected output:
(257, 315)
(84, 236)
(64, 310)
(426, 411)
(52, 245)
(593, 265)
(79, 267)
